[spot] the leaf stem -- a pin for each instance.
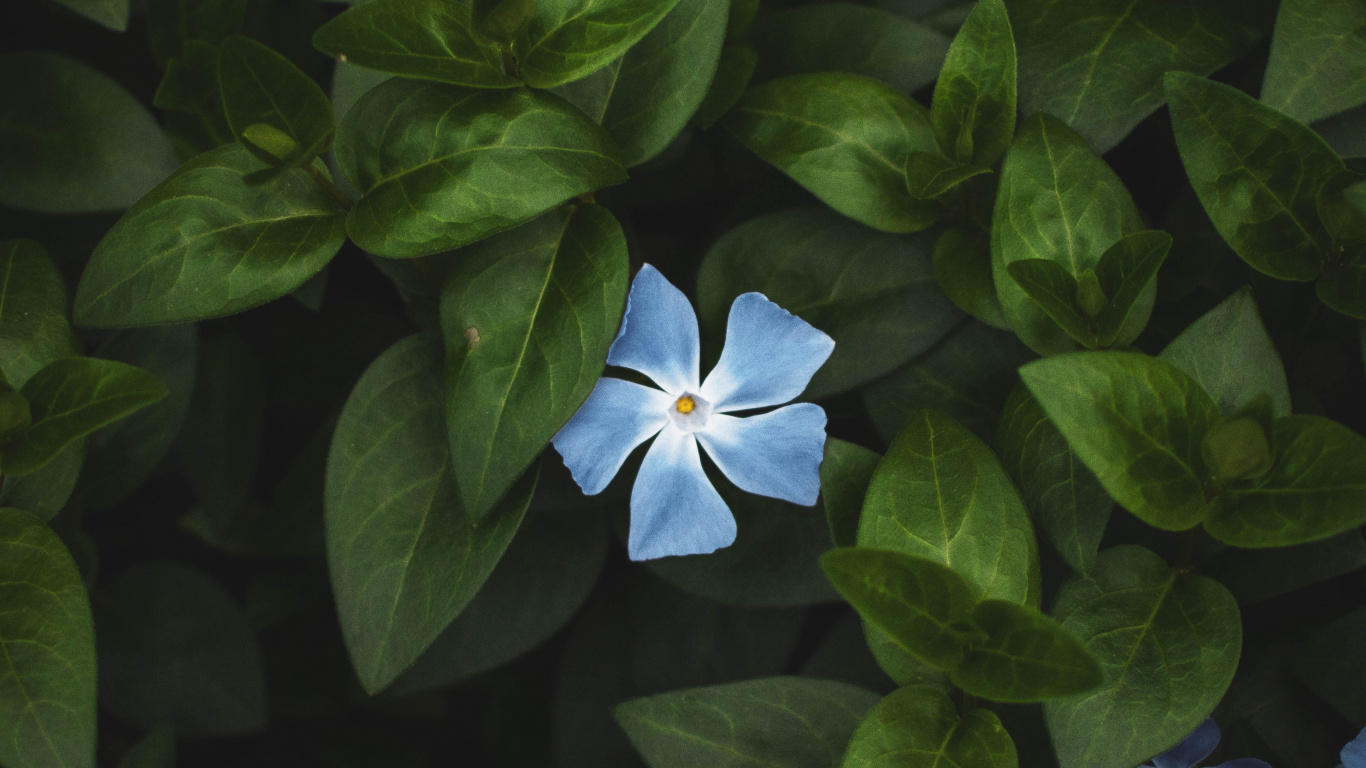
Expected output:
(329, 188)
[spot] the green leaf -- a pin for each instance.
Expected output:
(223, 422)
(1125, 271)
(527, 318)
(733, 73)
(929, 175)
(644, 98)
(1343, 284)
(205, 244)
(443, 166)
(262, 88)
(1065, 500)
(172, 24)
(1229, 354)
(973, 112)
(1329, 662)
(962, 265)
(789, 721)
(176, 648)
(1318, 59)
(1055, 290)
(34, 329)
(1137, 422)
(155, 750)
(569, 39)
(940, 494)
(873, 292)
(43, 493)
(845, 37)
(1058, 201)
(1316, 488)
(501, 20)
(1257, 172)
(1097, 65)
(1168, 645)
(399, 544)
(72, 140)
(47, 688)
(189, 92)
(846, 138)
(846, 471)
(425, 39)
(112, 14)
(919, 727)
(923, 606)
(1026, 656)
(70, 398)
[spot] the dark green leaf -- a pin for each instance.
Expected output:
(527, 318)
(845, 473)
(262, 88)
(789, 721)
(1026, 656)
(47, 686)
(1137, 422)
(72, 140)
(962, 265)
(1343, 285)
(1054, 289)
(929, 175)
(1257, 575)
(223, 422)
(112, 14)
(426, 39)
(501, 20)
(1330, 663)
(204, 244)
(189, 91)
(34, 329)
(155, 750)
(1318, 59)
(733, 73)
(399, 544)
(873, 292)
(171, 24)
(973, 112)
(845, 138)
(1257, 172)
(569, 39)
(443, 166)
(899, 664)
(1125, 271)
(1168, 645)
(843, 655)
(44, 493)
(919, 727)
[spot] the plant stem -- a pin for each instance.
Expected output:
(328, 187)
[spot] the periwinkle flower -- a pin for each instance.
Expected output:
(768, 358)
(1198, 746)
(1353, 753)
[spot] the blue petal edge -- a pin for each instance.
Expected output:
(775, 454)
(617, 416)
(769, 357)
(658, 335)
(674, 508)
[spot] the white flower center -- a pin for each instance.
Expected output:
(689, 413)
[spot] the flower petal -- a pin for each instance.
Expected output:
(1354, 753)
(674, 508)
(774, 454)
(658, 335)
(1192, 749)
(769, 357)
(617, 416)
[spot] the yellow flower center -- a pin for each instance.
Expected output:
(685, 404)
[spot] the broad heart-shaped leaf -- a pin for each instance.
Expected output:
(940, 494)
(112, 14)
(568, 39)
(262, 88)
(1058, 201)
(846, 471)
(919, 727)
(973, 112)
(1125, 271)
(1137, 422)
(425, 39)
(795, 722)
(403, 556)
(1025, 656)
(1229, 354)
(205, 244)
(34, 329)
(1257, 172)
(1065, 500)
(1318, 59)
(873, 292)
(1168, 644)
(1049, 285)
(69, 399)
(47, 688)
(442, 166)
(1315, 488)
(527, 318)
(843, 137)
(644, 98)
(72, 140)
(1097, 65)
(922, 606)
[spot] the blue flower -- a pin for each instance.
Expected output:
(769, 356)
(1198, 746)
(1353, 754)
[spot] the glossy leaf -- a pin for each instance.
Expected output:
(1257, 172)
(527, 318)
(962, 265)
(973, 112)
(845, 138)
(205, 243)
(1025, 656)
(1049, 285)
(72, 140)
(1318, 59)
(930, 175)
(919, 727)
(1137, 422)
(261, 87)
(47, 688)
(399, 544)
(568, 39)
(443, 166)
(1168, 645)
(34, 326)
(846, 471)
(1126, 271)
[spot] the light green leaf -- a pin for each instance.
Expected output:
(845, 473)
(205, 244)
(47, 688)
(112, 14)
(1137, 422)
(1168, 645)
(262, 88)
(44, 493)
(442, 166)
(569, 39)
(399, 544)
(873, 292)
(72, 140)
(845, 138)
(973, 112)
(1318, 59)
(1025, 657)
(919, 727)
(34, 329)
(155, 750)
(733, 73)
(962, 265)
